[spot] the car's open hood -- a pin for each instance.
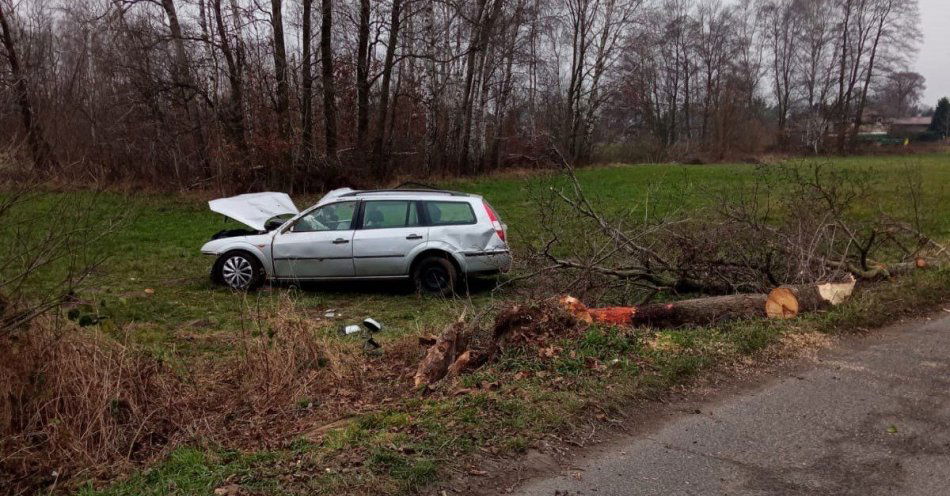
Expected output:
(254, 209)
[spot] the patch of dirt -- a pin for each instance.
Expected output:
(802, 345)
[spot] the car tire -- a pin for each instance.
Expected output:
(238, 270)
(435, 275)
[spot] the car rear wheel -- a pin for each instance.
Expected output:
(238, 270)
(435, 275)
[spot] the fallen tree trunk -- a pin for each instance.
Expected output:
(698, 311)
(701, 311)
(786, 302)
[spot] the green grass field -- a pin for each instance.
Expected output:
(155, 245)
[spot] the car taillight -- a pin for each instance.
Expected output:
(495, 221)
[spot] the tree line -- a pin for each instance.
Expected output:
(303, 94)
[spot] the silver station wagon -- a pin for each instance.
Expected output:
(434, 237)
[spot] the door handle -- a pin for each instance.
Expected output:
(414, 236)
(340, 241)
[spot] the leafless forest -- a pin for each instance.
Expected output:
(302, 94)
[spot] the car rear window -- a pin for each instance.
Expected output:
(446, 213)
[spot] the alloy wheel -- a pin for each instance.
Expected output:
(237, 272)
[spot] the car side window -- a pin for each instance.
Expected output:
(387, 214)
(448, 213)
(332, 217)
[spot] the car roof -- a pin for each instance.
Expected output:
(406, 193)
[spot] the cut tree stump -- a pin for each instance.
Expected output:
(462, 348)
(439, 357)
(786, 302)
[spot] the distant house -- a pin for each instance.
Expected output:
(872, 124)
(909, 127)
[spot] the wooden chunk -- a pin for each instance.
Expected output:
(439, 357)
(786, 302)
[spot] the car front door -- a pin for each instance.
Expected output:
(318, 244)
(389, 230)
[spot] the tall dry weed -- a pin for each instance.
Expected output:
(75, 401)
(76, 404)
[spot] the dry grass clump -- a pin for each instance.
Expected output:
(288, 375)
(73, 401)
(77, 405)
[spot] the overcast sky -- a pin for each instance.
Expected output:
(934, 59)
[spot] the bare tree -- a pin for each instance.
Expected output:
(888, 18)
(233, 112)
(781, 32)
(280, 69)
(39, 147)
(329, 85)
(188, 93)
(306, 68)
(900, 94)
(394, 21)
(362, 76)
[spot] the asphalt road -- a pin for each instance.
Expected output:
(871, 417)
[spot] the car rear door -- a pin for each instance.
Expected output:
(389, 230)
(319, 244)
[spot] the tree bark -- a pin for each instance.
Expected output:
(185, 88)
(842, 111)
(859, 114)
(698, 311)
(174, 27)
(477, 144)
(233, 113)
(701, 311)
(280, 69)
(580, 26)
(501, 106)
(379, 159)
(306, 99)
(432, 90)
(882, 271)
(362, 76)
(604, 47)
(39, 147)
(465, 120)
(329, 88)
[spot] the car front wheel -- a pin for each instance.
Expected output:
(435, 275)
(238, 270)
